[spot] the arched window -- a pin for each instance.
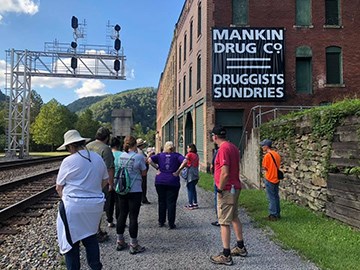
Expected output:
(199, 20)
(332, 12)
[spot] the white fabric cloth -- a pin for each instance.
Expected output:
(82, 196)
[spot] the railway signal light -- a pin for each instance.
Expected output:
(117, 65)
(73, 62)
(74, 22)
(117, 44)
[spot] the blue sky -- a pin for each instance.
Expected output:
(146, 31)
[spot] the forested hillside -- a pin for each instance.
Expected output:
(2, 96)
(83, 103)
(141, 100)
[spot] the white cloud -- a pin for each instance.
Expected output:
(91, 88)
(19, 6)
(51, 82)
(2, 74)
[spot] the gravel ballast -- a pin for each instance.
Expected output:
(189, 246)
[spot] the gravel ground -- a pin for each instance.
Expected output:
(187, 247)
(195, 239)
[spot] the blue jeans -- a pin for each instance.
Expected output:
(192, 195)
(215, 200)
(272, 192)
(91, 244)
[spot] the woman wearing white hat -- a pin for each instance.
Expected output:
(82, 175)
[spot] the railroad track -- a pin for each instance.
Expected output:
(8, 165)
(21, 194)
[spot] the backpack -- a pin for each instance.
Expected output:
(123, 182)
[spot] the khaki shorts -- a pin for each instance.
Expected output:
(227, 206)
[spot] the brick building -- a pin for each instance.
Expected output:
(229, 56)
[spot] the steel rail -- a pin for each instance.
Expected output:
(22, 205)
(25, 162)
(12, 184)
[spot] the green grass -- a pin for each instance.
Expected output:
(324, 241)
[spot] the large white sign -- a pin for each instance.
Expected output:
(248, 64)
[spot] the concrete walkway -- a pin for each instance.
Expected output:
(195, 239)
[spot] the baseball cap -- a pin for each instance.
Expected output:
(218, 130)
(266, 142)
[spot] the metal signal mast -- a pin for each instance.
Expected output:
(59, 60)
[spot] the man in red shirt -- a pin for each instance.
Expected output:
(228, 185)
(271, 163)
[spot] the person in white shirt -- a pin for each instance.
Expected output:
(79, 183)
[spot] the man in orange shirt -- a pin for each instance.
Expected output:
(271, 162)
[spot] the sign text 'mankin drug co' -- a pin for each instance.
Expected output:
(248, 64)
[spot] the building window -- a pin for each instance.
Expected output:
(303, 12)
(332, 12)
(304, 70)
(185, 40)
(180, 57)
(240, 11)
(333, 65)
(198, 81)
(191, 35)
(190, 81)
(179, 91)
(199, 20)
(184, 88)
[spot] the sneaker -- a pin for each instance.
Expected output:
(111, 225)
(102, 237)
(136, 249)
(236, 251)
(195, 206)
(272, 218)
(121, 246)
(189, 207)
(215, 223)
(221, 259)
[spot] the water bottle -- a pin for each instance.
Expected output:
(232, 190)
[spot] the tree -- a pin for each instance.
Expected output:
(51, 123)
(35, 105)
(86, 124)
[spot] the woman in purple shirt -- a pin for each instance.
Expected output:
(167, 182)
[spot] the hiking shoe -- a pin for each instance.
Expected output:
(111, 225)
(136, 249)
(121, 246)
(221, 259)
(195, 206)
(102, 236)
(189, 207)
(236, 251)
(172, 227)
(215, 223)
(272, 218)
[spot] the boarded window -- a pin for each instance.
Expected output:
(333, 65)
(180, 135)
(304, 70)
(179, 98)
(184, 88)
(240, 11)
(303, 12)
(198, 66)
(199, 20)
(191, 35)
(332, 12)
(180, 57)
(185, 40)
(190, 81)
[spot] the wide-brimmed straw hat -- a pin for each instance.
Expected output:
(72, 136)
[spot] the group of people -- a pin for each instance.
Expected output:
(85, 184)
